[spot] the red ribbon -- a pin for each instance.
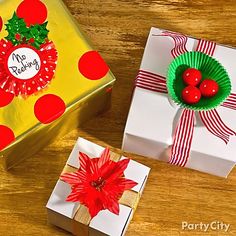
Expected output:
(183, 136)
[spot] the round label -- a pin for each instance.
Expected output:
(24, 63)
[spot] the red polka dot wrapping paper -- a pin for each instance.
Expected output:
(50, 78)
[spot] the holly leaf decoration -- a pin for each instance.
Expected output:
(16, 26)
(39, 33)
(19, 33)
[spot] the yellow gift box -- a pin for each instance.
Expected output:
(82, 95)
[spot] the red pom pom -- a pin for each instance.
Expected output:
(191, 95)
(192, 76)
(32, 11)
(209, 88)
(0, 23)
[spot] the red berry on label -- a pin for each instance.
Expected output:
(18, 37)
(209, 88)
(31, 40)
(192, 76)
(191, 95)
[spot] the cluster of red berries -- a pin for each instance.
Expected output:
(18, 37)
(196, 88)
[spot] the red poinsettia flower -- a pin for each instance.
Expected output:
(99, 183)
(25, 74)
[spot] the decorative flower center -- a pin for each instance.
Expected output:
(98, 184)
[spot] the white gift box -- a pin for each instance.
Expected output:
(153, 116)
(61, 213)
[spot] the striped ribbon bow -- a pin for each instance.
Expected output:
(183, 134)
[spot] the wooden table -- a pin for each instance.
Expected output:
(118, 29)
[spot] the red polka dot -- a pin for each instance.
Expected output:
(48, 108)
(0, 23)
(6, 136)
(5, 98)
(92, 66)
(33, 12)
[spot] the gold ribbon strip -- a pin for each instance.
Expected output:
(82, 218)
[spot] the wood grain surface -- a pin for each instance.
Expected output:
(118, 29)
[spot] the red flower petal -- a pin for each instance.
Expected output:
(33, 12)
(105, 157)
(6, 137)
(116, 171)
(75, 194)
(88, 165)
(84, 161)
(49, 108)
(127, 183)
(92, 66)
(114, 208)
(71, 178)
(5, 98)
(95, 208)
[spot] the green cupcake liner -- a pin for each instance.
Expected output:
(210, 69)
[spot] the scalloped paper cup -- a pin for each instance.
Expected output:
(210, 69)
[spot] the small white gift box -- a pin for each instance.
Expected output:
(153, 116)
(62, 213)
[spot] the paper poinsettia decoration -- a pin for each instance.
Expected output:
(99, 183)
(27, 58)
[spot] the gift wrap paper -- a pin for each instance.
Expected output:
(74, 217)
(153, 116)
(83, 97)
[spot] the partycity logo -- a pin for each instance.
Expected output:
(214, 226)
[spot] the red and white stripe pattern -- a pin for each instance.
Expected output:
(151, 81)
(183, 138)
(180, 41)
(206, 47)
(211, 119)
(230, 102)
(184, 131)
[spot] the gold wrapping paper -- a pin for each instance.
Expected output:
(82, 217)
(84, 98)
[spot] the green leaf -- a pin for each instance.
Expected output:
(17, 25)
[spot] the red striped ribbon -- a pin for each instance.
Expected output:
(230, 102)
(182, 139)
(206, 47)
(211, 119)
(180, 42)
(151, 81)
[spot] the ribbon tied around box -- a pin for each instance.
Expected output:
(183, 135)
